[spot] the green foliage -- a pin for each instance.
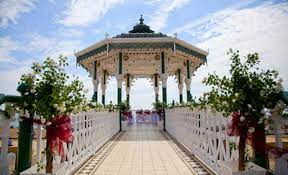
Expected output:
(48, 92)
(110, 107)
(95, 106)
(123, 106)
(248, 90)
(9, 110)
(160, 106)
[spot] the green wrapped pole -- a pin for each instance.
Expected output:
(119, 90)
(103, 100)
(119, 101)
(25, 145)
(181, 98)
(164, 95)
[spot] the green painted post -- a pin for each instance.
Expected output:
(103, 100)
(128, 86)
(164, 90)
(95, 95)
(164, 95)
(119, 101)
(156, 86)
(25, 145)
(128, 98)
(188, 77)
(119, 90)
(162, 63)
(188, 95)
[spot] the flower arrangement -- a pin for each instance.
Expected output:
(244, 95)
(49, 92)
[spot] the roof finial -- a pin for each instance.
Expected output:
(141, 20)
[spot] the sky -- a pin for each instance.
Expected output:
(31, 30)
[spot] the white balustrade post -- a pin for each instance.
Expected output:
(39, 143)
(4, 167)
(281, 163)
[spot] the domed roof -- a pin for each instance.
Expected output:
(141, 27)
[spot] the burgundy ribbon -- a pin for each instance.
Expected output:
(58, 132)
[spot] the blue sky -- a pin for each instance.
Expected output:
(31, 30)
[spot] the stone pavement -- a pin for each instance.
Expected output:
(143, 150)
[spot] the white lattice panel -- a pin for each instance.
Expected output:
(204, 133)
(91, 130)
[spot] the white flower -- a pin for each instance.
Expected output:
(48, 123)
(26, 93)
(251, 129)
(236, 95)
(267, 127)
(249, 106)
(62, 109)
(234, 100)
(43, 120)
(224, 103)
(33, 90)
(260, 121)
(242, 118)
(55, 106)
(262, 93)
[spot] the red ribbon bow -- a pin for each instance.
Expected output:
(58, 132)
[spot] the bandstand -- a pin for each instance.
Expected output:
(141, 53)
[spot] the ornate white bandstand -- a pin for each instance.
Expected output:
(141, 53)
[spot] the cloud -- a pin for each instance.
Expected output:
(159, 18)
(259, 29)
(45, 46)
(7, 45)
(85, 12)
(10, 79)
(10, 10)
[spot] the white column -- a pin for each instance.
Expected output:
(95, 85)
(281, 166)
(164, 87)
(188, 83)
(119, 79)
(127, 90)
(5, 125)
(39, 143)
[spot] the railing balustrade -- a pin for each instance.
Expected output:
(91, 130)
(204, 134)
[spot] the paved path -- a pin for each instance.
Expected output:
(142, 150)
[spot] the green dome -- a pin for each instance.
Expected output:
(141, 27)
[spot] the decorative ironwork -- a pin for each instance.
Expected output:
(140, 45)
(190, 52)
(93, 52)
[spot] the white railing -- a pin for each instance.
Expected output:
(4, 136)
(91, 130)
(204, 134)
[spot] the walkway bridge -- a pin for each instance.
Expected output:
(193, 143)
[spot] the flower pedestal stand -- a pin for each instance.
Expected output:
(231, 168)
